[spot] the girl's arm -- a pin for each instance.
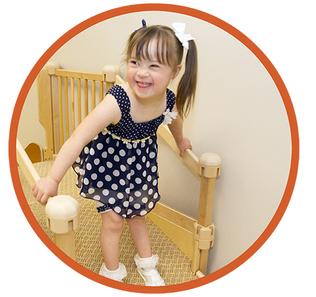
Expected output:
(105, 113)
(176, 128)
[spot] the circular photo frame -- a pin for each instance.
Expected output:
(259, 56)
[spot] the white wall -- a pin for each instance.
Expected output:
(239, 114)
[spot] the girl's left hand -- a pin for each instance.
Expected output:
(183, 145)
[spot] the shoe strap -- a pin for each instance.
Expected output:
(146, 263)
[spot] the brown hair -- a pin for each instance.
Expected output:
(169, 51)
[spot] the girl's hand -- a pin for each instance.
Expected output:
(44, 188)
(183, 145)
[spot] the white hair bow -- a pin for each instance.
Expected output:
(184, 38)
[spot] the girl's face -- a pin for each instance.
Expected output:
(147, 78)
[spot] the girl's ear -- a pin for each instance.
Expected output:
(176, 71)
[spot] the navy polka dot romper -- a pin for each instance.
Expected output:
(118, 168)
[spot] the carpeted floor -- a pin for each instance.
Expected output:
(174, 266)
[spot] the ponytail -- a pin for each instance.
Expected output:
(187, 85)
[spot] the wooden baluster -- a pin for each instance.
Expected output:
(93, 97)
(108, 85)
(61, 113)
(45, 107)
(86, 97)
(72, 112)
(66, 107)
(101, 94)
(79, 99)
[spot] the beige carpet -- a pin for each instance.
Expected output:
(174, 266)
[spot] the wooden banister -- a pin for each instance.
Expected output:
(206, 168)
(62, 211)
(26, 165)
(76, 74)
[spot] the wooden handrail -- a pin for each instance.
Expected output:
(26, 165)
(189, 158)
(62, 211)
(81, 75)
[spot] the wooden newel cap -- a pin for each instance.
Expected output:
(110, 72)
(210, 164)
(62, 214)
(51, 67)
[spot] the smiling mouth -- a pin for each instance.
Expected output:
(142, 84)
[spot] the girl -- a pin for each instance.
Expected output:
(118, 167)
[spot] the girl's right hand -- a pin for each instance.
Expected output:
(183, 145)
(44, 188)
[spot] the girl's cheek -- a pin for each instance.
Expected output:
(128, 77)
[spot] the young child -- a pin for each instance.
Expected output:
(117, 166)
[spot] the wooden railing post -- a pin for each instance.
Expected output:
(210, 170)
(110, 72)
(45, 106)
(62, 211)
(62, 219)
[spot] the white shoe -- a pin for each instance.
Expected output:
(117, 274)
(146, 267)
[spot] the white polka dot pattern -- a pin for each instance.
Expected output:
(122, 175)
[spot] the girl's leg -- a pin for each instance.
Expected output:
(145, 261)
(112, 227)
(138, 229)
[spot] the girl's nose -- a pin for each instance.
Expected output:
(142, 71)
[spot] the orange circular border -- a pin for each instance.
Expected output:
(212, 20)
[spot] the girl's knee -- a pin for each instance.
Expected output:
(112, 221)
(136, 220)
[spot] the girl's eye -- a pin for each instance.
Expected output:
(154, 66)
(133, 62)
